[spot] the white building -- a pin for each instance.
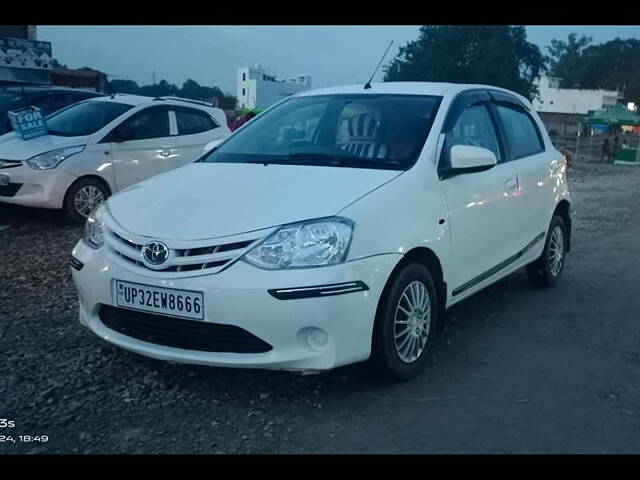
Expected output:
(258, 89)
(563, 109)
(554, 99)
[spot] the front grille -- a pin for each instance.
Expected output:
(9, 163)
(9, 190)
(204, 259)
(181, 333)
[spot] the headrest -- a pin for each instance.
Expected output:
(363, 127)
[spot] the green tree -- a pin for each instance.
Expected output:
(494, 55)
(613, 65)
(162, 89)
(565, 59)
(191, 89)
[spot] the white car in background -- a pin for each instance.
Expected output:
(334, 227)
(100, 146)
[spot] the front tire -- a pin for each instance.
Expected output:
(406, 317)
(82, 197)
(547, 269)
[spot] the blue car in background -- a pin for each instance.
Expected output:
(48, 99)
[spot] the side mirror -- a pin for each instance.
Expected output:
(469, 159)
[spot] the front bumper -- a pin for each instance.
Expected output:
(240, 296)
(35, 188)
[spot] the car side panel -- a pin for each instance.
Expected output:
(412, 207)
(95, 160)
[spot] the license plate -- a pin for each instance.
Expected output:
(4, 180)
(166, 301)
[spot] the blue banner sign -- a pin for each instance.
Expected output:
(28, 122)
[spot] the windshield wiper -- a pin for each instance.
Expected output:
(336, 159)
(328, 157)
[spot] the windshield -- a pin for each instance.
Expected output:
(84, 118)
(368, 131)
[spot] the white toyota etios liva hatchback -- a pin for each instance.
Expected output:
(336, 226)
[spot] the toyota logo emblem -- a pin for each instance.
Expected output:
(155, 253)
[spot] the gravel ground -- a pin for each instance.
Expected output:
(58, 379)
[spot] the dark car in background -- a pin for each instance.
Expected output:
(49, 99)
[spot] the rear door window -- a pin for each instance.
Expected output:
(191, 121)
(522, 134)
(9, 101)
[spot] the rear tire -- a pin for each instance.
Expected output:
(547, 269)
(82, 198)
(407, 315)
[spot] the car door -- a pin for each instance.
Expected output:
(483, 208)
(196, 129)
(533, 163)
(142, 146)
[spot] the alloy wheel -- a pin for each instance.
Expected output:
(556, 251)
(412, 321)
(87, 198)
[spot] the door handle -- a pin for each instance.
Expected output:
(511, 186)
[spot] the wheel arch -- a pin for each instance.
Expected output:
(427, 257)
(563, 210)
(67, 201)
(90, 177)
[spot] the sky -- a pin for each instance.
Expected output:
(211, 55)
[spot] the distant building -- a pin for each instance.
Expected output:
(23, 59)
(28, 32)
(80, 78)
(562, 109)
(258, 89)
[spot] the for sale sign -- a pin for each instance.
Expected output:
(28, 122)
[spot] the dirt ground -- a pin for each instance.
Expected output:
(518, 368)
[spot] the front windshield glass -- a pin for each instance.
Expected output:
(368, 131)
(84, 118)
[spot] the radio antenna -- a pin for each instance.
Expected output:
(368, 84)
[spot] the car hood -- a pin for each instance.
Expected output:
(14, 148)
(209, 200)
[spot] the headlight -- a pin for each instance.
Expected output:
(93, 228)
(314, 243)
(51, 159)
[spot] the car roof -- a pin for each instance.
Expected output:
(123, 98)
(136, 100)
(406, 88)
(30, 89)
